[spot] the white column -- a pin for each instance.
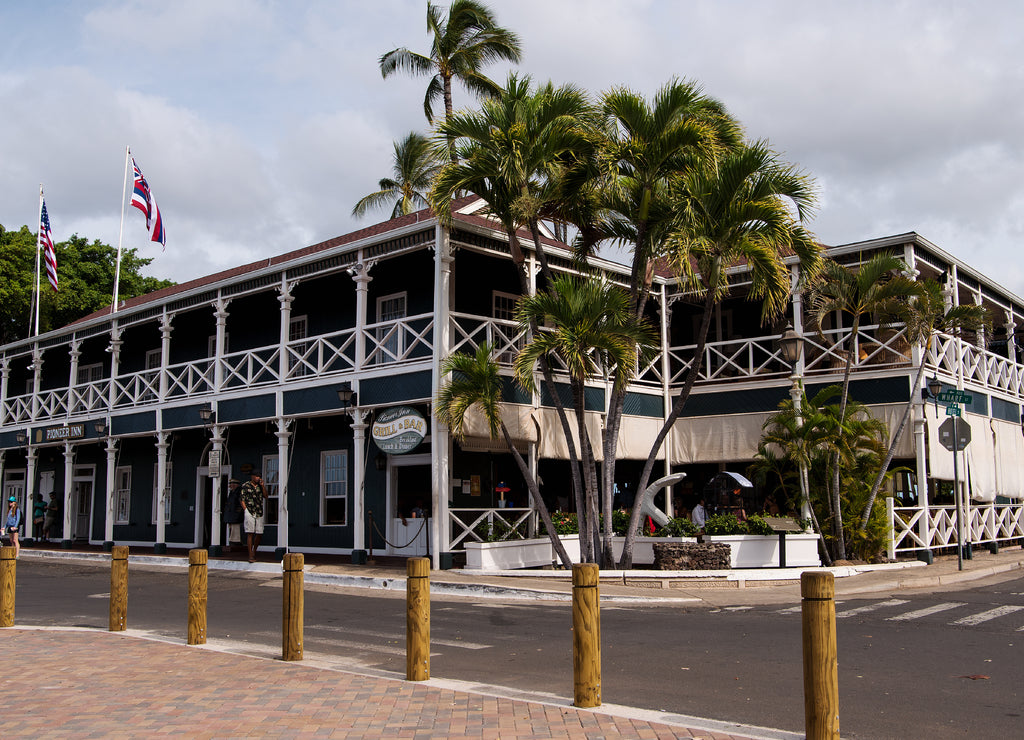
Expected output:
(37, 374)
(5, 375)
(165, 352)
(75, 353)
(114, 348)
(285, 298)
(217, 447)
(162, 444)
(220, 313)
(108, 520)
(30, 471)
(283, 436)
(69, 470)
(359, 417)
(440, 438)
(360, 273)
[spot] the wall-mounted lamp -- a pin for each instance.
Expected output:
(207, 414)
(21, 437)
(100, 427)
(790, 344)
(346, 395)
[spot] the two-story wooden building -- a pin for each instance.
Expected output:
(138, 417)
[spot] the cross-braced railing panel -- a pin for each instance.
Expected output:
(190, 379)
(137, 388)
(252, 367)
(985, 523)
(403, 340)
(90, 397)
(481, 525)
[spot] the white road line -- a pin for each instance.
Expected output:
(791, 610)
(465, 644)
(927, 612)
(999, 611)
(871, 607)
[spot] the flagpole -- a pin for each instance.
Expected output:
(36, 299)
(120, 235)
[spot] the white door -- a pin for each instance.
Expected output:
(409, 487)
(82, 495)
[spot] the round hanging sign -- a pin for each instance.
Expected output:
(399, 429)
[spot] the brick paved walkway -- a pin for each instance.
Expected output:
(91, 684)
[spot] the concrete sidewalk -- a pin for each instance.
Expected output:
(91, 684)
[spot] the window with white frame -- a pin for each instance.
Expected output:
(122, 494)
(334, 487)
(90, 373)
(271, 481)
(503, 307)
(390, 308)
(14, 485)
(153, 360)
(211, 345)
(167, 493)
(298, 326)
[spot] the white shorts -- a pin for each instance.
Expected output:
(234, 532)
(253, 525)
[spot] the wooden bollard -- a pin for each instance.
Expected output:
(586, 635)
(417, 619)
(292, 611)
(821, 663)
(118, 588)
(197, 578)
(8, 568)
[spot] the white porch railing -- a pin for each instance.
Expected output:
(482, 525)
(979, 365)
(915, 529)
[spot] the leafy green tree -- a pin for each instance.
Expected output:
(413, 174)
(736, 209)
(475, 382)
(85, 274)
(878, 287)
(590, 329)
(922, 315)
(463, 42)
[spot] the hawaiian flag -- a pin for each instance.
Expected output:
(46, 244)
(142, 198)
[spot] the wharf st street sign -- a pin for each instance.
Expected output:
(954, 396)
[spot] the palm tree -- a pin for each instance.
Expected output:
(736, 210)
(878, 287)
(924, 314)
(591, 329)
(463, 42)
(476, 383)
(507, 155)
(413, 173)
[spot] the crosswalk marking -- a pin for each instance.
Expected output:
(871, 607)
(927, 612)
(999, 611)
(356, 632)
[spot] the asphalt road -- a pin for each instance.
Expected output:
(911, 665)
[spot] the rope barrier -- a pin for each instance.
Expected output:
(423, 523)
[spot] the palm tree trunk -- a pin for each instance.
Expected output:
(836, 502)
(538, 501)
(589, 471)
(626, 561)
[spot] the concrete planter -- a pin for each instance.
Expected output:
(747, 551)
(762, 551)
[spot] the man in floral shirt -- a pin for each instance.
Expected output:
(253, 496)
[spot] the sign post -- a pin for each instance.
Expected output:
(955, 435)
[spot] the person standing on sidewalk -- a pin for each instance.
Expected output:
(253, 496)
(12, 523)
(52, 513)
(38, 515)
(233, 514)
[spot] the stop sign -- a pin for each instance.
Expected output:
(954, 434)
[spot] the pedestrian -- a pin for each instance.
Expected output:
(52, 515)
(12, 523)
(233, 514)
(38, 514)
(699, 516)
(253, 496)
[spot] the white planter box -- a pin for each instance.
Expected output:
(762, 551)
(747, 551)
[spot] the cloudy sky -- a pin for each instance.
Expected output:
(259, 123)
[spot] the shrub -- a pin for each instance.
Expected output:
(756, 524)
(565, 523)
(678, 527)
(722, 524)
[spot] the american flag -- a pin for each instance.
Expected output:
(142, 198)
(46, 244)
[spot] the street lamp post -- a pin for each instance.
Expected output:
(791, 346)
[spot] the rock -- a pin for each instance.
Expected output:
(690, 556)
